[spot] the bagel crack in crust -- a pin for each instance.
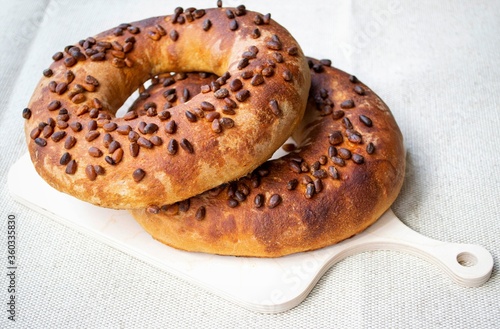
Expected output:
(220, 134)
(347, 170)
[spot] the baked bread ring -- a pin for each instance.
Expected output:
(79, 147)
(347, 170)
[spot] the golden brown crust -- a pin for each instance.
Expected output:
(296, 215)
(80, 148)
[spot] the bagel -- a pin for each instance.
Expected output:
(346, 170)
(80, 147)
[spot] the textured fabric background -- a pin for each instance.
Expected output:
(437, 66)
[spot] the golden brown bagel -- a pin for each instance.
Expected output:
(79, 147)
(347, 170)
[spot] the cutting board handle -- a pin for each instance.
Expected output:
(468, 265)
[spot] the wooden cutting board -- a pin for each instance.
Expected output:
(261, 285)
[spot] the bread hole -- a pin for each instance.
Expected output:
(284, 150)
(127, 105)
(466, 259)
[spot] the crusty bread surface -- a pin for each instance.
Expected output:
(346, 171)
(80, 147)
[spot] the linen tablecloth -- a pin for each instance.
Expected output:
(437, 66)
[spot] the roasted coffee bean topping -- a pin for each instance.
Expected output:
(117, 156)
(171, 127)
(113, 146)
(144, 142)
(274, 201)
(107, 139)
(200, 213)
(235, 85)
(318, 68)
(65, 159)
(26, 113)
(267, 18)
(320, 173)
(287, 75)
(233, 25)
(48, 73)
(332, 171)
(207, 24)
(242, 95)
(304, 167)
(259, 200)
(338, 161)
(41, 141)
(99, 170)
(292, 51)
(325, 62)
(58, 135)
(95, 152)
(370, 148)
(310, 190)
(71, 167)
(54, 105)
(211, 116)
(221, 93)
(110, 126)
(288, 147)
(273, 105)
(58, 56)
(153, 209)
(357, 158)
(229, 14)
(359, 90)
(70, 61)
(226, 123)
(138, 175)
(134, 149)
(292, 184)
(156, 140)
(190, 116)
(318, 185)
(353, 136)
(91, 135)
(206, 106)
(274, 43)
(344, 153)
(150, 128)
(365, 120)
(76, 126)
(164, 115)
(70, 142)
(295, 167)
(257, 79)
(347, 104)
(347, 123)
(336, 138)
(255, 33)
(186, 146)
(232, 203)
(216, 127)
(90, 172)
(174, 35)
(47, 131)
(172, 147)
(337, 114)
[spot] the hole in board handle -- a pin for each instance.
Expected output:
(466, 259)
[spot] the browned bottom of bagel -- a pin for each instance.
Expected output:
(347, 170)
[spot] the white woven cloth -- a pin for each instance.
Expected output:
(437, 66)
